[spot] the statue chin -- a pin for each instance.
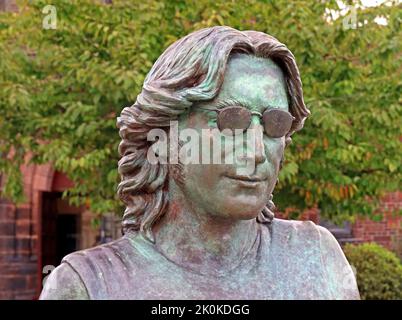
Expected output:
(241, 208)
(246, 215)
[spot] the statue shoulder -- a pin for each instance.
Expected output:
(317, 246)
(339, 272)
(87, 274)
(64, 283)
(99, 253)
(296, 228)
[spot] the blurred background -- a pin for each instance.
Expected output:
(68, 68)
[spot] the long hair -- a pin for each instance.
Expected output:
(190, 70)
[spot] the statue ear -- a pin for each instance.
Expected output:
(176, 171)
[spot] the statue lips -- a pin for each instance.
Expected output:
(247, 181)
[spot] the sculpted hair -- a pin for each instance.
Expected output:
(190, 70)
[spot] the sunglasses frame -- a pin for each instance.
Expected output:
(251, 113)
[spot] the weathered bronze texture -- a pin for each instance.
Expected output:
(204, 231)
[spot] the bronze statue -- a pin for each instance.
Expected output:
(207, 230)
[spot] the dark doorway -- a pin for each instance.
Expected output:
(60, 229)
(67, 235)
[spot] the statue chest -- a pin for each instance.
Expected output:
(164, 280)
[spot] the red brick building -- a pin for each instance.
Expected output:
(387, 232)
(38, 233)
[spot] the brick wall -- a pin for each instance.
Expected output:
(387, 232)
(19, 236)
(21, 233)
(8, 5)
(18, 262)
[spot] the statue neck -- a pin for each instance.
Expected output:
(203, 242)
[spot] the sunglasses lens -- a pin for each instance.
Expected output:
(233, 118)
(277, 123)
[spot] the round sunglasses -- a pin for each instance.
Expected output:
(277, 122)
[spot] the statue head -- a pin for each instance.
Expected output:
(222, 78)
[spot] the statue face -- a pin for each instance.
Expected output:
(218, 189)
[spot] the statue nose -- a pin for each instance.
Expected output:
(259, 148)
(254, 144)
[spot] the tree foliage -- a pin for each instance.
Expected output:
(62, 89)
